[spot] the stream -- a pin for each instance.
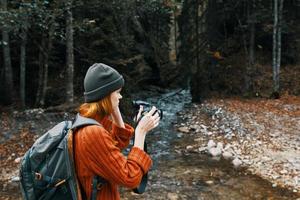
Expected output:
(194, 176)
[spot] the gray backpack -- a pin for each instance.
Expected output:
(47, 169)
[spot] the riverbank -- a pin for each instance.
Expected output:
(182, 168)
(261, 135)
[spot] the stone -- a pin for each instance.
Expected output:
(202, 149)
(203, 126)
(15, 179)
(195, 127)
(220, 145)
(227, 155)
(237, 162)
(209, 182)
(184, 129)
(211, 144)
(283, 171)
(172, 196)
(18, 160)
(189, 147)
(215, 151)
(228, 131)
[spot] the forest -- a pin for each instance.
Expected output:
(225, 72)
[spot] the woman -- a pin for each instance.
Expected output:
(98, 148)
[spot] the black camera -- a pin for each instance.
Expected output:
(147, 107)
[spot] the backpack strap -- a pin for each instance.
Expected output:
(83, 121)
(97, 181)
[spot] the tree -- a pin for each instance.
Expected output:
(278, 9)
(8, 84)
(45, 20)
(23, 35)
(70, 51)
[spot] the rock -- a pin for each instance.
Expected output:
(202, 149)
(211, 144)
(228, 146)
(198, 139)
(283, 171)
(236, 162)
(195, 127)
(187, 172)
(15, 179)
(189, 147)
(172, 196)
(228, 131)
(209, 133)
(18, 160)
(184, 129)
(215, 151)
(227, 155)
(209, 182)
(220, 145)
(203, 126)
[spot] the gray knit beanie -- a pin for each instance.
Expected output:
(100, 80)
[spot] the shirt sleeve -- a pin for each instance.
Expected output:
(120, 135)
(106, 160)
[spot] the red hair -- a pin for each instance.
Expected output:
(96, 109)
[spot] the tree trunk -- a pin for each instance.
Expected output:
(45, 50)
(41, 72)
(23, 67)
(172, 37)
(8, 84)
(252, 35)
(278, 62)
(197, 33)
(70, 52)
(274, 64)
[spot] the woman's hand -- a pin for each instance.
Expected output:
(117, 117)
(147, 123)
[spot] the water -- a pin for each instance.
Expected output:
(182, 175)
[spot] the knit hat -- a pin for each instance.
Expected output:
(100, 80)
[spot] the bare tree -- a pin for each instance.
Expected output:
(70, 52)
(45, 50)
(278, 9)
(23, 66)
(252, 22)
(197, 33)
(9, 85)
(41, 77)
(23, 36)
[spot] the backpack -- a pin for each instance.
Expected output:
(47, 169)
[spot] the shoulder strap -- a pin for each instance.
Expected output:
(83, 121)
(97, 181)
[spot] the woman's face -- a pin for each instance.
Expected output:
(115, 98)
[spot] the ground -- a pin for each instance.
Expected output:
(262, 135)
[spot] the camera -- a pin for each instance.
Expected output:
(147, 107)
